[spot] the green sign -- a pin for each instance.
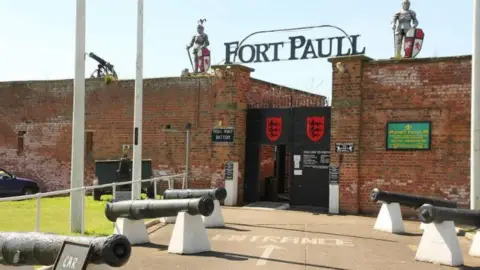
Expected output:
(409, 135)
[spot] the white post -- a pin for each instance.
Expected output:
(475, 111)
(187, 158)
(78, 122)
(138, 108)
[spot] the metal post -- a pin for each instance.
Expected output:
(78, 122)
(187, 156)
(475, 111)
(37, 214)
(138, 108)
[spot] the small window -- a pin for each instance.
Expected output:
(20, 141)
(89, 142)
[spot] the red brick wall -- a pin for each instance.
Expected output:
(44, 110)
(369, 94)
(269, 95)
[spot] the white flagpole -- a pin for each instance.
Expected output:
(138, 108)
(78, 122)
(475, 111)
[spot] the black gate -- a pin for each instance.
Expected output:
(306, 133)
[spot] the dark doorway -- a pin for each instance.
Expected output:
(280, 171)
(301, 137)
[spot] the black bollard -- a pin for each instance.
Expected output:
(214, 193)
(17, 248)
(429, 213)
(414, 201)
(142, 209)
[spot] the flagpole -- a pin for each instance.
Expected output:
(78, 122)
(475, 111)
(138, 108)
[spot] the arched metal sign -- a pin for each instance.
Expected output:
(301, 48)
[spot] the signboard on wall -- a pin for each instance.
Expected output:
(413, 135)
(334, 174)
(316, 159)
(344, 147)
(223, 134)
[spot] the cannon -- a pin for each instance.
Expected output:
(214, 193)
(189, 235)
(104, 68)
(215, 220)
(390, 219)
(414, 201)
(440, 234)
(142, 209)
(31, 248)
(429, 213)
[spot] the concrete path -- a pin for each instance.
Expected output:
(262, 239)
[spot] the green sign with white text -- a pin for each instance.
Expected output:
(409, 136)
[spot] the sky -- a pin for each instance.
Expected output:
(37, 39)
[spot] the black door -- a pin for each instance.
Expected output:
(311, 156)
(310, 176)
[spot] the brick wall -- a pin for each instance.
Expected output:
(371, 93)
(43, 110)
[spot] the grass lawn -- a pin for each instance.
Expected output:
(19, 216)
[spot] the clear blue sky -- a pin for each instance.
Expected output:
(37, 37)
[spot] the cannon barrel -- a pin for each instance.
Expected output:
(31, 248)
(429, 213)
(414, 201)
(142, 209)
(101, 61)
(213, 193)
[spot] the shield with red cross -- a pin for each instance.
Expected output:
(413, 42)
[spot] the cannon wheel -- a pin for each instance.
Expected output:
(97, 194)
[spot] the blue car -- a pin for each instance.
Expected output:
(10, 185)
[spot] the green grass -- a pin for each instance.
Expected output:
(19, 216)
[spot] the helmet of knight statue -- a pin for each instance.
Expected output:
(406, 4)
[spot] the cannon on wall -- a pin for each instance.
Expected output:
(214, 220)
(189, 235)
(389, 218)
(20, 249)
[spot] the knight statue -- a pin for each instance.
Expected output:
(407, 19)
(200, 52)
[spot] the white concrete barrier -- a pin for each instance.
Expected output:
(135, 230)
(475, 247)
(215, 220)
(390, 219)
(422, 226)
(439, 245)
(189, 235)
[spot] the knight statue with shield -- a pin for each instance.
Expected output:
(201, 54)
(406, 32)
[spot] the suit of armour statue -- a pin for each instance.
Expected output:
(407, 19)
(200, 41)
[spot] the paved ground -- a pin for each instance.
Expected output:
(262, 239)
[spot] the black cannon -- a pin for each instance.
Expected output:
(414, 201)
(429, 213)
(33, 248)
(104, 68)
(142, 209)
(213, 193)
